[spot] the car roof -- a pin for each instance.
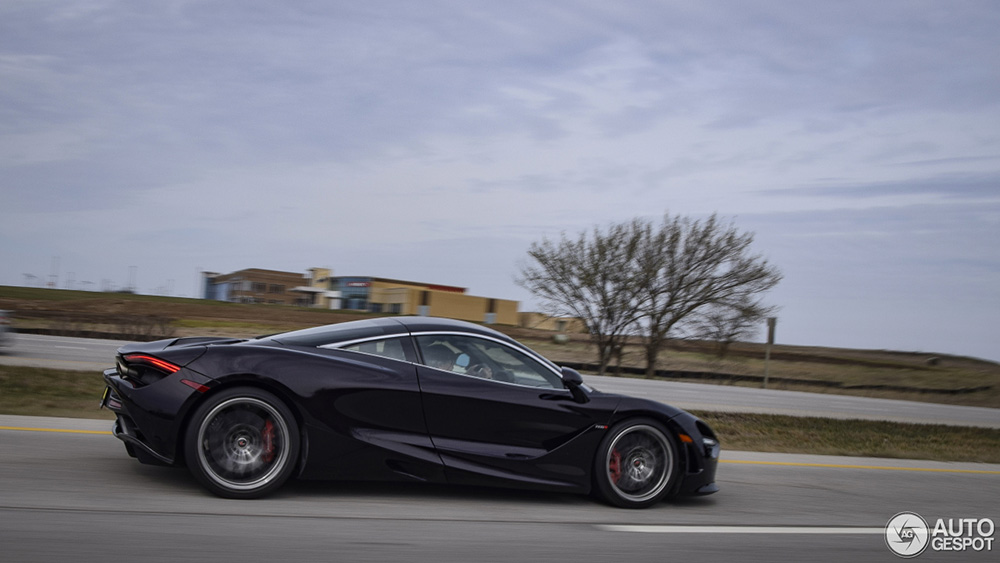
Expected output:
(381, 326)
(435, 324)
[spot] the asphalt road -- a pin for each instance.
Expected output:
(88, 354)
(74, 495)
(696, 396)
(60, 352)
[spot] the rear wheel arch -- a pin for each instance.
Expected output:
(248, 381)
(266, 406)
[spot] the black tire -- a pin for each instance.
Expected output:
(637, 464)
(242, 443)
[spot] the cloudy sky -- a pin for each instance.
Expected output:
(435, 141)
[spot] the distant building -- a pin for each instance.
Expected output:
(357, 293)
(317, 292)
(255, 285)
(383, 295)
(209, 289)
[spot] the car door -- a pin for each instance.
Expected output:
(495, 413)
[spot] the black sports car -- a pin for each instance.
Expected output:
(411, 398)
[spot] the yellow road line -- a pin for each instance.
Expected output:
(60, 430)
(878, 467)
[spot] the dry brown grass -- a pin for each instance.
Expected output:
(824, 436)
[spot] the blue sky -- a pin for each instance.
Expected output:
(435, 141)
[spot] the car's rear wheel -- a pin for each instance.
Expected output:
(242, 443)
(636, 464)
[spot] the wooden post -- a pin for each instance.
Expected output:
(771, 322)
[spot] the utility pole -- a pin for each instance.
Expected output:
(771, 322)
(54, 277)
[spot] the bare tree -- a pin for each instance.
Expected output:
(690, 266)
(726, 323)
(592, 277)
(647, 279)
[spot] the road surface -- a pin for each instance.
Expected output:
(73, 495)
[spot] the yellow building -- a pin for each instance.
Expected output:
(317, 292)
(383, 295)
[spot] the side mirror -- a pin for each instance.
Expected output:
(574, 382)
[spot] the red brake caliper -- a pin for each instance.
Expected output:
(615, 466)
(268, 453)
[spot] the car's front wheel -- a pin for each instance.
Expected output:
(636, 465)
(242, 443)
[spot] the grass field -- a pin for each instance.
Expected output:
(50, 392)
(825, 436)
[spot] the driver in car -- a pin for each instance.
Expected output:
(440, 357)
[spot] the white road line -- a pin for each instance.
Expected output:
(667, 529)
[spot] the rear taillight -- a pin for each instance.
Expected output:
(143, 369)
(151, 361)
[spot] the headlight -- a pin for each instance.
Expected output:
(711, 447)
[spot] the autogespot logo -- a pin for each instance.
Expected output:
(907, 534)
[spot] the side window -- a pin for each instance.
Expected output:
(389, 348)
(486, 359)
